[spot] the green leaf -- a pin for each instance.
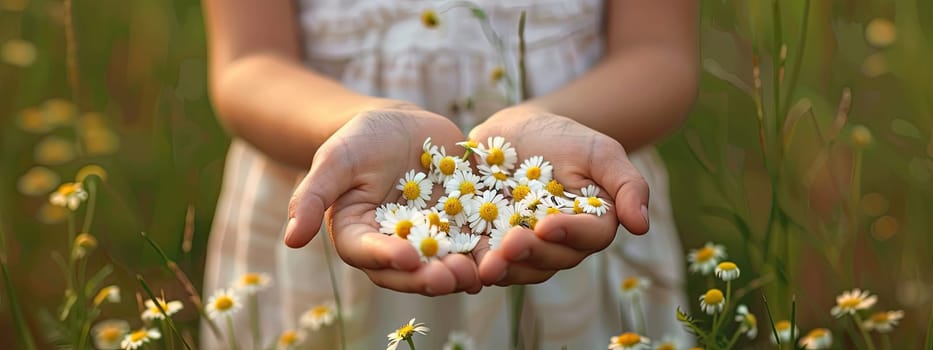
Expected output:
(70, 299)
(94, 281)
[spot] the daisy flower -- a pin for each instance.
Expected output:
(109, 293)
(496, 236)
(470, 145)
(83, 245)
(463, 242)
(68, 195)
(748, 322)
(401, 222)
(385, 208)
(465, 182)
(416, 188)
(152, 311)
(784, 332)
(430, 243)
(883, 321)
(819, 338)
(318, 316)
(139, 338)
(535, 169)
(727, 271)
(704, 260)
(851, 301)
(487, 211)
(592, 204)
(455, 207)
(406, 332)
(669, 342)
(252, 282)
(109, 333)
(427, 154)
(633, 286)
(223, 303)
(290, 338)
(497, 152)
(522, 188)
(712, 301)
(37, 181)
(459, 341)
(435, 217)
(495, 177)
(446, 166)
(629, 341)
(555, 188)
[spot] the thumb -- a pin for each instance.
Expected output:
(613, 171)
(320, 188)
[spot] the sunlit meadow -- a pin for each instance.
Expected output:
(802, 183)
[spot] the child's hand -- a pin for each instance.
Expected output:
(354, 172)
(581, 156)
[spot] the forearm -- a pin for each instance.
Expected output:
(282, 108)
(635, 96)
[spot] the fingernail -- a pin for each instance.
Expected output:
(502, 276)
(289, 227)
(524, 255)
(644, 214)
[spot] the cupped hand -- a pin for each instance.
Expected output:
(354, 172)
(580, 157)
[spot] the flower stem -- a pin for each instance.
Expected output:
(411, 343)
(336, 291)
(735, 337)
(865, 336)
(518, 301)
(91, 204)
(642, 326)
(253, 306)
(231, 336)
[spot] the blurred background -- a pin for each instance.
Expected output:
(808, 153)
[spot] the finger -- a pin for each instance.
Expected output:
(319, 189)
(613, 171)
(495, 269)
(584, 232)
(361, 246)
(523, 246)
(430, 279)
(465, 272)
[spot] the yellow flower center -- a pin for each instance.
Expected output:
(251, 279)
(110, 334)
(750, 320)
(533, 173)
(472, 144)
(320, 311)
(666, 346)
(727, 266)
(782, 325)
(139, 335)
(434, 219)
(555, 188)
(817, 333)
(467, 187)
(426, 160)
(628, 339)
(444, 226)
(411, 191)
(488, 211)
(403, 228)
(86, 241)
(495, 156)
(880, 317)
(515, 219)
(405, 331)
(594, 202)
(500, 176)
(452, 206)
(496, 74)
(850, 302)
(429, 18)
(713, 297)
(428, 246)
(447, 166)
(577, 209)
(704, 254)
(629, 283)
(552, 210)
(223, 303)
(68, 189)
(288, 337)
(520, 191)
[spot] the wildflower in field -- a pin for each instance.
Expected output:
(108, 334)
(465, 182)
(634, 286)
(727, 271)
(32, 120)
(406, 332)
(495, 177)
(455, 207)
(430, 243)
(100, 141)
(880, 32)
(139, 338)
(748, 324)
(459, 341)
(68, 195)
(429, 19)
(84, 243)
(883, 321)
(851, 301)
(445, 166)
(401, 222)
(705, 259)
(498, 152)
(91, 169)
(463, 242)
(318, 316)
(861, 136)
(784, 332)
(535, 169)
(416, 189)
(109, 294)
(427, 152)
(819, 338)
(18, 52)
(253, 282)
(487, 211)
(592, 204)
(51, 214)
(223, 303)
(54, 150)
(37, 181)
(629, 341)
(59, 111)
(290, 339)
(669, 342)
(152, 311)
(712, 301)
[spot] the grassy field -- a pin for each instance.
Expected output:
(808, 154)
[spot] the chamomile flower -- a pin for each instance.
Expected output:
(465, 182)
(591, 203)
(37, 181)
(727, 271)
(704, 260)
(487, 211)
(535, 169)
(109, 294)
(555, 188)
(819, 338)
(463, 242)
(522, 188)
(459, 341)
(669, 342)
(445, 166)
(851, 301)
(416, 189)
(469, 145)
(253, 282)
(318, 316)
(223, 303)
(139, 338)
(629, 341)
(68, 195)
(431, 244)
(495, 177)
(152, 311)
(712, 301)
(401, 222)
(290, 338)
(406, 332)
(784, 332)
(427, 154)
(748, 324)
(455, 207)
(515, 214)
(496, 235)
(535, 200)
(385, 208)
(883, 321)
(109, 333)
(498, 152)
(435, 218)
(633, 286)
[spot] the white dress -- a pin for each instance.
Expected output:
(381, 48)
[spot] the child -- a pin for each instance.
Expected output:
(351, 89)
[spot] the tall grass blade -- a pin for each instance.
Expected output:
(167, 319)
(16, 310)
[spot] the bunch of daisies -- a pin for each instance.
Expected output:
(486, 202)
